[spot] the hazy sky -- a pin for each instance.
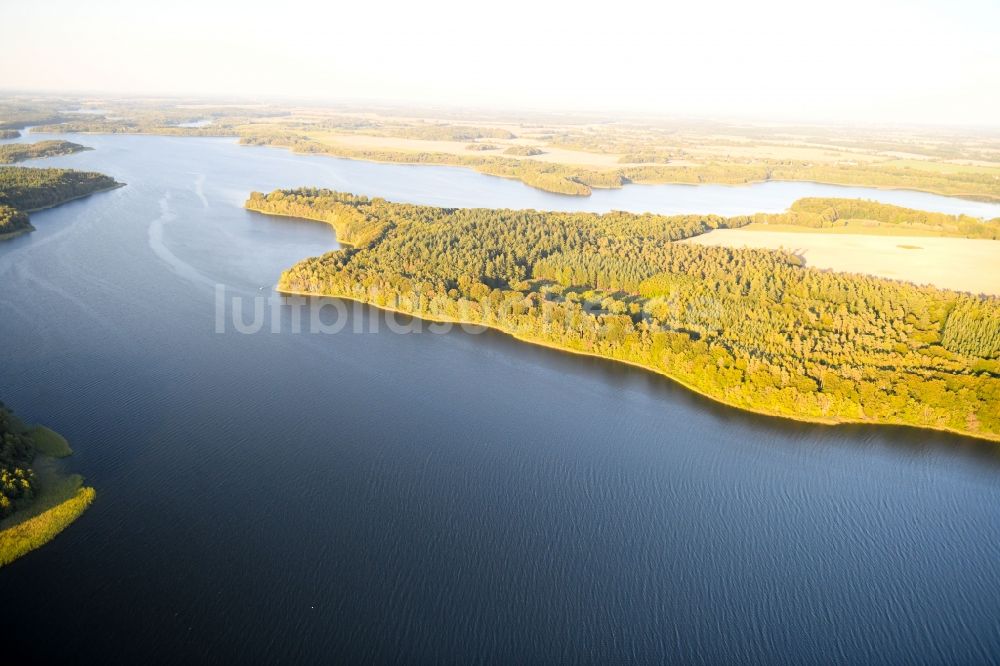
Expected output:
(851, 60)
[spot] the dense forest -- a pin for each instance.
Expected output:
(17, 451)
(751, 328)
(30, 189)
(12, 220)
(24, 189)
(18, 152)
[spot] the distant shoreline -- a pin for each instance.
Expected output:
(980, 198)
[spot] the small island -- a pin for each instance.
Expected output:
(37, 500)
(19, 152)
(9, 134)
(24, 189)
(751, 328)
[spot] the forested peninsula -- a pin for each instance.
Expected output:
(754, 329)
(24, 189)
(37, 502)
(18, 152)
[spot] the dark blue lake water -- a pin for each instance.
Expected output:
(284, 497)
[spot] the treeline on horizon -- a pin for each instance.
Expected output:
(977, 186)
(23, 189)
(751, 328)
(19, 121)
(825, 213)
(131, 127)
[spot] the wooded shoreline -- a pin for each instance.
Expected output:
(636, 317)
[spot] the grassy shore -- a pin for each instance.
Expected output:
(580, 352)
(24, 537)
(50, 443)
(63, 499)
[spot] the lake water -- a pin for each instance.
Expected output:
(373, 496)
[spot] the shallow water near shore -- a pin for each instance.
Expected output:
(369, 495)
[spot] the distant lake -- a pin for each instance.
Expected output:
(372, 496)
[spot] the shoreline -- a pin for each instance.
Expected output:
(79, 196)
(62, 498)
(30, 158)
(995, 438)
(28, 229)
(978, 198)
(336, 231)
(28, 535)
(10, 235)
